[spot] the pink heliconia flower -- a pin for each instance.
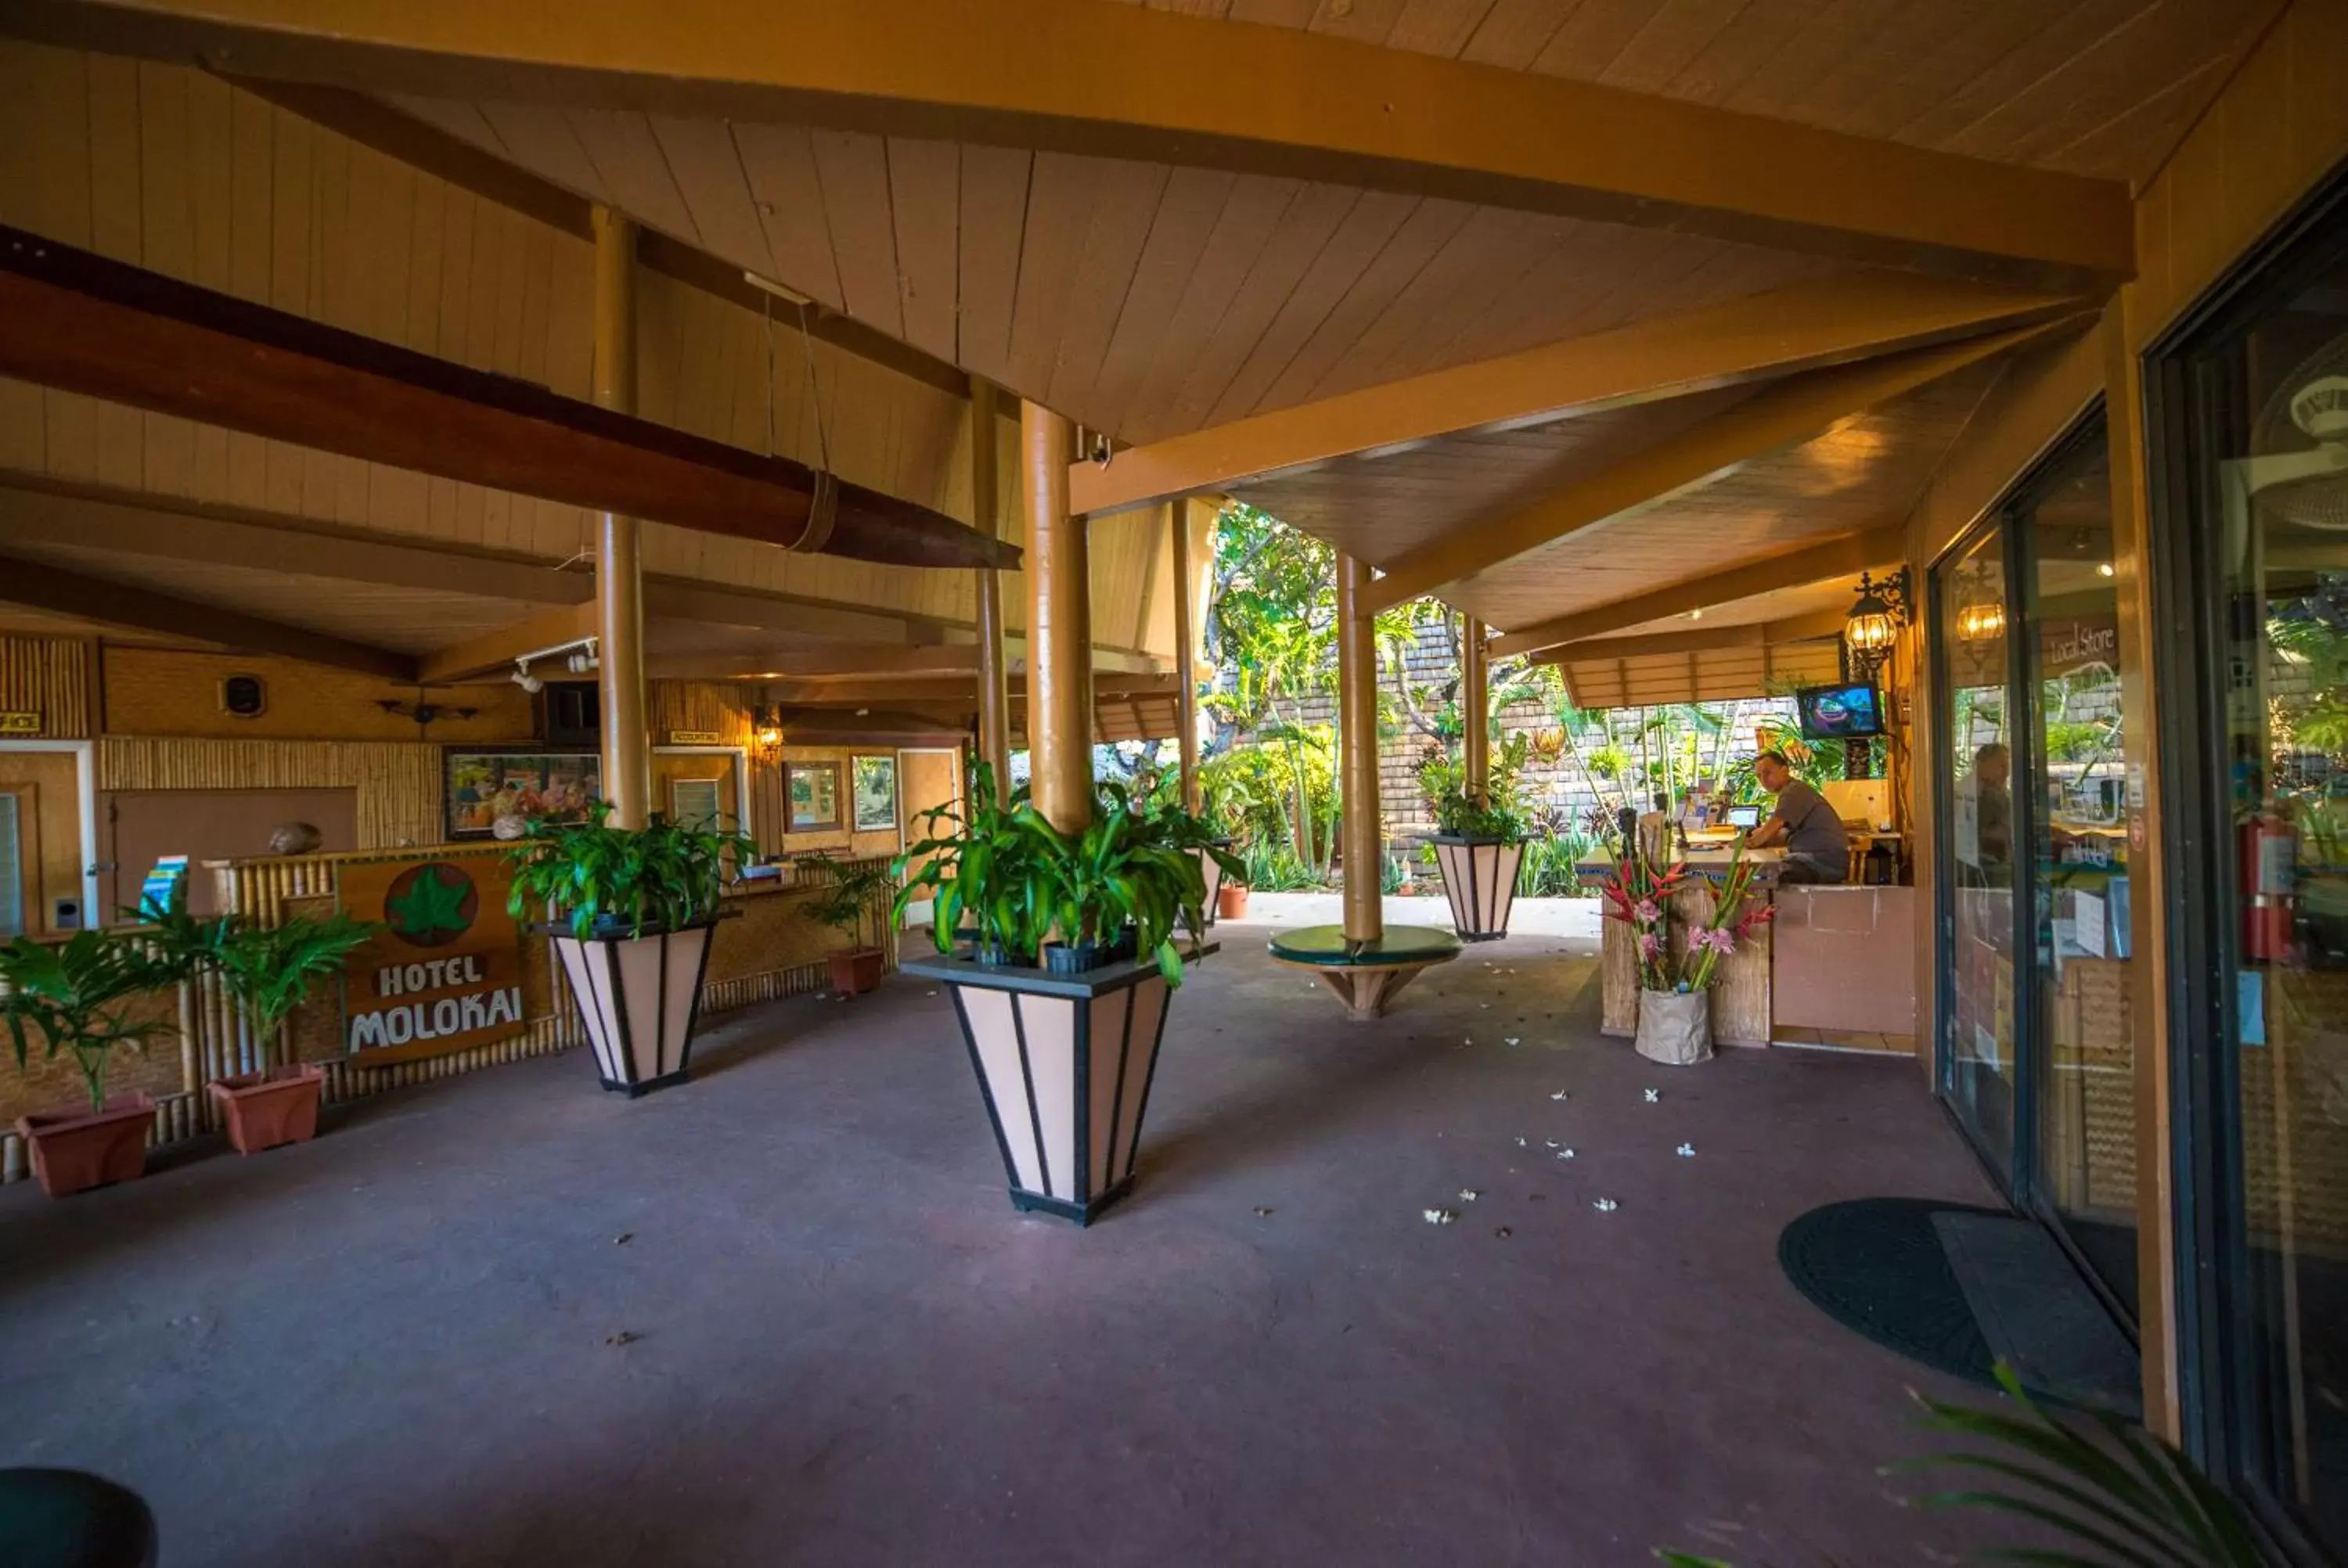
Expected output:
(1720, 940)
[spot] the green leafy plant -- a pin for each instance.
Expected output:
(269, 971)
(594, 876)
(2115, 1494)
(1462, 813)
(1121, 870)
(850, 892)
(76, 996)
(980, 867)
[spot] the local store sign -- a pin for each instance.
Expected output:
(445, 972)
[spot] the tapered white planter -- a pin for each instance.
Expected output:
(1479, 875)
(639, 1000)
(1065, 1064)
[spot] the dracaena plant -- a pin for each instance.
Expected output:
(848, 896)
(1119, 869)
(980, 867)
(77, 995)
(591, 875)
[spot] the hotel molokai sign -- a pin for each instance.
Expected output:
(445, 972)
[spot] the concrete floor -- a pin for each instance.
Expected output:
(1577, 920)
(396, 1345)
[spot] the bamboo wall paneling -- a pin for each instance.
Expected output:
(398, 783)
(50, 676)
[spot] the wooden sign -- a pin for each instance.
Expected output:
(20, 724)
(445, 973)
(695, 738)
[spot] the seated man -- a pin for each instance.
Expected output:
(1816, 849)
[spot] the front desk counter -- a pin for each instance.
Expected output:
(1835, 966)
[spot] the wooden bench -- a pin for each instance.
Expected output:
(1365, 975)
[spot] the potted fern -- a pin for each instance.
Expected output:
(846, 901)
(268, 971)
(1064, 1053)
(78, 996)
(629, 912)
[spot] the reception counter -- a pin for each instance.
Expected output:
(1835, 966)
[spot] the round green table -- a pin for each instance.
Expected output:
(1365, 975)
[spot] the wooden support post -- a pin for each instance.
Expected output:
(994, 694)
(1186, 653)
(1059, 626)
(618, 552)
(1475, 708)
(1357, 753)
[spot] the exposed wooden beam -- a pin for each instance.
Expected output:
(1836, 557)
(495, 650)
(39, 587)
(960, 691)
(677, 599)
(129, 523)
(1078, 75)
(397, 134)
(1801, 408)
(1700, 639)
(1831, 320)
(86, 324)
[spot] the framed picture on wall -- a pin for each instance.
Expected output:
(812, 790)
(876, 794)
(485, 786)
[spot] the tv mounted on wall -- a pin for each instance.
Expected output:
(1839, 713)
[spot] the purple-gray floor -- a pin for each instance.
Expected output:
(396, 1345)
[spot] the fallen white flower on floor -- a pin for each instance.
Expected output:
(929, 993)
(1605, 1205)
(1685, 1150)
(1469, 1195)
(1655, 1097)
(1565, 1154)
(1520, 1142)
(1516, 1040)
(1440, 1216)
(1552, 1142)
(1560, 1094)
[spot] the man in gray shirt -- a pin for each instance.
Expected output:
(1816, 849)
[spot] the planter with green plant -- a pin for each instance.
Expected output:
(1197, 835)
(1064, 1053)
(847, 899)
(1479, 844)
(78, 996)
(629, 912)
(268, 971)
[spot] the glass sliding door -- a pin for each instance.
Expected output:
(2077, 1044)
(1977, 1056)
(2253, 533)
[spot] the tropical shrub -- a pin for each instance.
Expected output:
(77, 995)
(597, 877)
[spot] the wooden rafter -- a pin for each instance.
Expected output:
(1761, 634)
(1075, 75)
(86, 324)
(1836, 557)
(1808, 326)
(37, 586)
(1801, 408)
(494, 651)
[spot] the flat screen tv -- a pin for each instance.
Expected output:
(1839, 713)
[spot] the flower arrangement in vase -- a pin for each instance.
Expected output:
(1675, 978)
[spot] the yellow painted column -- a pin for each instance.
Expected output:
(1059, 626)
(618, 551)
(1357, 753)
(994, 691)
(1476, 709)
(1186, 654)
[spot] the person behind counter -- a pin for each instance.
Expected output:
(1817, 850)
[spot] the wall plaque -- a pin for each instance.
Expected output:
(445, 972)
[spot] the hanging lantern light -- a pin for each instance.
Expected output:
(1981, 622)
(767, 734)
(1875, 621)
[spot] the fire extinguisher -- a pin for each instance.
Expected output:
(2269, 868)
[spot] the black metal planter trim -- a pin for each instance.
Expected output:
(637, 1088)
(960, 973)
(1472, 843)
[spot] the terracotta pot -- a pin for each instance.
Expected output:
(855, 970)
(1676, 1027)
(266, 1109)
(74, 1151)
(1230, 901)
